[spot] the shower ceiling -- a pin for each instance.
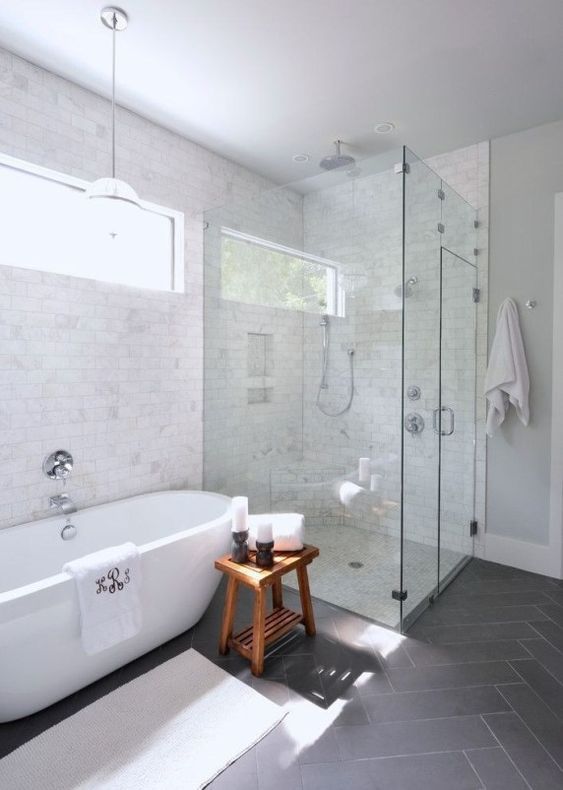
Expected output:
(259, 80)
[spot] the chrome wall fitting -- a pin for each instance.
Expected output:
(58, 465)
(414, 423)
(413, 392)
(63, 503)
(531, 303)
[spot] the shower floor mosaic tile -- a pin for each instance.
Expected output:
(357, 569)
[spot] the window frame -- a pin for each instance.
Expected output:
(335, 296)
(80, 184)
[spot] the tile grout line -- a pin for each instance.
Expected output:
(504, 750)
(483, 785)
(542, 665)
(532, 733)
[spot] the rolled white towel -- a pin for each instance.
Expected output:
(288, 530)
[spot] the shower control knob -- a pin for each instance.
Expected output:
(414, 423)
(413, 392)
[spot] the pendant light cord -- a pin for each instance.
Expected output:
(114, 26)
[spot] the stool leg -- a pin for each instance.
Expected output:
(228, 615)
(277, 595)
(258, 628)
(306, 604)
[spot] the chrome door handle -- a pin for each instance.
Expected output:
(435, 421)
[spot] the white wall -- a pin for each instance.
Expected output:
(526, 172)
(114, 374)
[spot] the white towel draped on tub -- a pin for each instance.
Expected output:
(288, 529)
(108, 583)
(507, 379)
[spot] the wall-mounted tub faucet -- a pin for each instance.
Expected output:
(64, 503)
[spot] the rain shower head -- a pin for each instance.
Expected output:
(409, 287)
(332, 161)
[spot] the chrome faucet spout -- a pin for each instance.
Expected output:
(63, 503)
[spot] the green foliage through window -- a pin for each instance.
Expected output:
(256, 273)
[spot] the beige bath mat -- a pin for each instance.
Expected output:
(178, 726)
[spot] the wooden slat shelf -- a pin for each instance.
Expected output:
(277, 624)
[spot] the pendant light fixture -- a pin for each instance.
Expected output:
(114, 198)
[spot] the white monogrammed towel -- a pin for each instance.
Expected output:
(108, 583)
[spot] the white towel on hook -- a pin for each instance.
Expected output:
(507, 380)
(108, 584)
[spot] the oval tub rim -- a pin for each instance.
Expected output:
(56, 579)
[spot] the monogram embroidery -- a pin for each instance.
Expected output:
(116, 584)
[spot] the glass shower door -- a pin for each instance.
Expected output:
(454, 419)
(421, 386)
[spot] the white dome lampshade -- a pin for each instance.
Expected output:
(112, 189)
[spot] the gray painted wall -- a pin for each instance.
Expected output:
(526, 172)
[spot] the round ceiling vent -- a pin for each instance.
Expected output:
(384, 127)
(301, 157)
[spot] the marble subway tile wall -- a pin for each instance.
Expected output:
(114, 374)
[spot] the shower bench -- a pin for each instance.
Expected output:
(266, 628)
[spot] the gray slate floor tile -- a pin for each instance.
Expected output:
(496, 770)
(413, 705)
(413, 737)
(548, 656)
(427, 772)
(444, 634)
(550, 631)
(538, 717)
(542, 682)
(452, 676)
(524, 749)
(423, 654)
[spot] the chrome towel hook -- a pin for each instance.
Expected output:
(531, 303)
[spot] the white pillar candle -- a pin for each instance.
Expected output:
(239, 510)
(375, 482)
(364, 470)
(264, 533)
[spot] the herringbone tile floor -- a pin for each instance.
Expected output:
(471, 698)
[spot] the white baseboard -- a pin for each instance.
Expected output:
(521, 554)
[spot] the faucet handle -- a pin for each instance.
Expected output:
(58, 465)
(62, 471)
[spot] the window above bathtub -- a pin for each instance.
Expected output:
(257, 271)
(47, 223)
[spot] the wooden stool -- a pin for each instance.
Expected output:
(265, 629)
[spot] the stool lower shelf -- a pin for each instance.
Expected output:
(278, 623)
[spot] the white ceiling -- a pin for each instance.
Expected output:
(258, 80)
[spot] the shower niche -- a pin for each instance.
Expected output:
(325, 300)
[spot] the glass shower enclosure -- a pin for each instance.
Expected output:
(339, 375)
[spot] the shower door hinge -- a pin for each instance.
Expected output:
(473, 528)
(441, 228)
(441, 194)
(401, 167)
(475, 223)
(476, 295)
(475, 251)
(399, 595)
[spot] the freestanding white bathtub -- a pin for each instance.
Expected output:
(179, 534)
